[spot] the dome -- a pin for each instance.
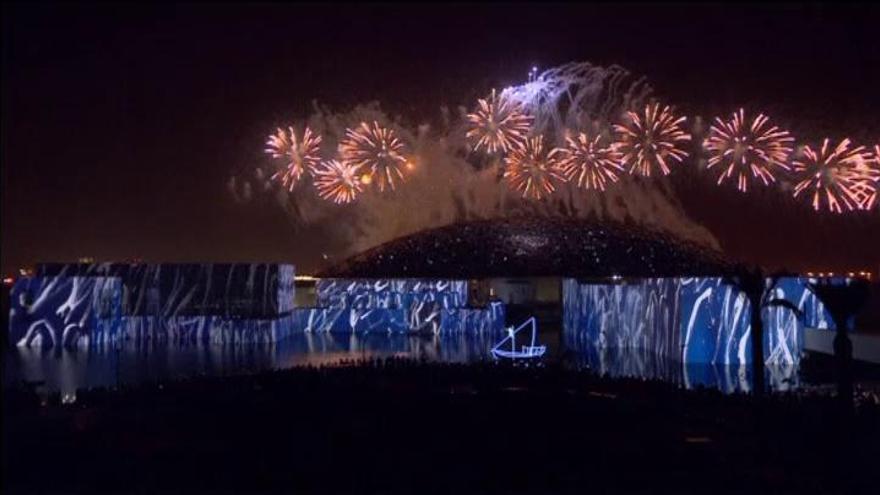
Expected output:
(533, 247)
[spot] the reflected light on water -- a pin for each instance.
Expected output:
(66, 370)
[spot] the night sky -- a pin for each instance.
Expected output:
(122, 125)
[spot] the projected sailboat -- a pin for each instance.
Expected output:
(526, 351)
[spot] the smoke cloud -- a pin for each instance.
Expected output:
(449, 183)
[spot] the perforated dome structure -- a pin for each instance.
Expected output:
(534, 247)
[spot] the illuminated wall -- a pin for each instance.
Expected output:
(692, 320)
(207, 329)
(644, 314)
(83, 304)
(397, 306)
(80, 304)
(56, 311)
(179, 289)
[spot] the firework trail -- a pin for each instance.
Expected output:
(301, 154)
(375, 149)
(572, 95)
(338, 182)
(591, 159)
(649, 140)
(498, 124)
(531, 171)
(740, 149)
(832, 175)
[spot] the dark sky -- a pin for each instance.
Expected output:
(122, 124)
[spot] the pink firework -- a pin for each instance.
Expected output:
(377, 151)
(591, 159)
(338, 182)
(300, 154)
(498, 125)
(531, 171)
(869, 172)
(743, 149)
(832, 175)
(650, 140)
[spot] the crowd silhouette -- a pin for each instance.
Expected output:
(395, 425)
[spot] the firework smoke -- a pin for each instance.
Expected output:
(445, 187)
(574, 95)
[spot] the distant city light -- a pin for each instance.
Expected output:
(866, 274)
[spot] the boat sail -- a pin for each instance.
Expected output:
(526, 351)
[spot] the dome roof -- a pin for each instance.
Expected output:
(533, 247)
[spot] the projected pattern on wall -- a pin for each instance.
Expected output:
(55, 311)
(167, 302)
(397, 306)
(693, 320)
(83, 304)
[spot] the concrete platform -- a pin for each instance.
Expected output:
(866, 346)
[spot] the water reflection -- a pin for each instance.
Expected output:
(66, 370)
(640, 363)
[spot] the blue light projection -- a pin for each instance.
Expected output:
(473, 320)
(644, 364)
(642, 314)
(691, 320)
(57, 311)
(180, 289)
(397, 306)
(85, 304)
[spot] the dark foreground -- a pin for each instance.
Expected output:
(403, 427)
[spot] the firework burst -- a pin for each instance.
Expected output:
(591, 159)
(869, 171)
(300, 154)
(531, 171)
(650, 140)
(338, 182)
(833, 175)
(377, 151)
(742, 149)
(498, 125)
